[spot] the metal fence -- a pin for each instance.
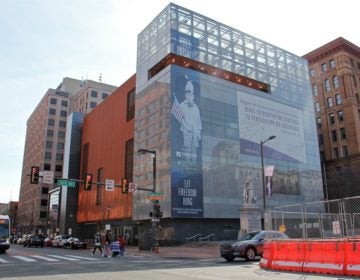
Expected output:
(323, 219)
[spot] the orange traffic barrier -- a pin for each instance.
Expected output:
(289, 255)
(325, 256)
(352, 257)
(267, 255)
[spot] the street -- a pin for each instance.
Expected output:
(57, 263)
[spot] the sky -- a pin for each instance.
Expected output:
(43, 41)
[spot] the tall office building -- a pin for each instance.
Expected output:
(45, 141)
(335, 79)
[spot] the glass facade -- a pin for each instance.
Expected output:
(207, 130)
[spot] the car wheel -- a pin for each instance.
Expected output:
(250, 254)
(229, 259)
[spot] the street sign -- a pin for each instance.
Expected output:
(66, 183)
(155, 220)
(132, 187)
(48, 177)
(155, 196)
(109, 185)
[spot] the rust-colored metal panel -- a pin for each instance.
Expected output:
(107, 130)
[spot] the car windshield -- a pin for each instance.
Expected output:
(250, 236)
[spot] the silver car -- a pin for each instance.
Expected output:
(249, 246)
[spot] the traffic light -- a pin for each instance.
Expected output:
(88, 182)
(34, 175)
(124, 185)
(157, 213)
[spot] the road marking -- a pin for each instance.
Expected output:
(63, 258)
(44, 258)
(79, 257)
(3, 261)
(24, 259)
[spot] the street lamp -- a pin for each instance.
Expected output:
(262, 169)
(155, 202)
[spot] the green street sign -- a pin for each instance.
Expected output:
(66, 183)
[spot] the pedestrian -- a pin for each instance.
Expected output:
(115, 248)
(97, 243)
(107, 251)
(122, 245)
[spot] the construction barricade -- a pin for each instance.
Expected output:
(327, 256)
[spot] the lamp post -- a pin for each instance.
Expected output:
(262, 169)
(155, 202)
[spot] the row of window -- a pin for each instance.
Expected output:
(58, 167)
(48, 156)
(336, 153)
(334, 136)
(50, 133)
(329, 102)
(94, 94)
(51, 122)
(64, 103)
(340, 115)
(52, 111)
(59, 146)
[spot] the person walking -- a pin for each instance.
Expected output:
(115, 248)
(122, 245)
(107, 251)
(97, 243)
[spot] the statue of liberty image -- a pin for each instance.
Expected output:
(248, 192)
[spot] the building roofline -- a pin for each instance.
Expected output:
(339, 44)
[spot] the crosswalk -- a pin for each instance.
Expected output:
(45, 258)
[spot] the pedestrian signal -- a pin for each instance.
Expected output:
(88, 182)
(124, 185)
(34, 175)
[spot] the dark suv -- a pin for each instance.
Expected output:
(36, 240)
(249, 246)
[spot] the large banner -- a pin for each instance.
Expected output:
(186, 142)
(260, 118)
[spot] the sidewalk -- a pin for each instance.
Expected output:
(179, 252)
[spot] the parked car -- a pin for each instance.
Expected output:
(60, 240)
(48, 242)
(75, 243)
(249, 246)
(36, 240)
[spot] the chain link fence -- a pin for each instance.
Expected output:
(323, 219)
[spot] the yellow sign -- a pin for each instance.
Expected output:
(282, 228)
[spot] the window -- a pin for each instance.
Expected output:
(345, 151)
(44, 202)
(321, 139)
(352, 62)
(53, 101)
(333, 135)
(332, 118)
(58, 168)
(336, 82)
(50, 133)
(104, 95)
(341, 115)
(49, 144)
(312, 73)
(44, 190)
(63, 113)
(64, 103)
(332, 63)
(315, 90)
(60, 146)
(323, 67)
(62, 123)
(59, 156)
(338, 99)
(129, 158)
(327, 85)
(100, 173)
(61, 134)
(48, 155)
(329, 102)
(130, 105)
(336, 153)
(52, 111)
(322, 156)
(43, 214)
(93, 104)
(342, 133)
(51, 122)
(318, 122)
(317, 107)
(358, 65)
(47, 166)
(354, 81)
(94, 93)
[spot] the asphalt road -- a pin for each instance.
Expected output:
(172, 263)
